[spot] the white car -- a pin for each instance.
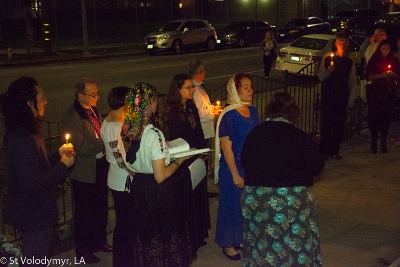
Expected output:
(307, 49)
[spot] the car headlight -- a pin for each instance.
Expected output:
(163, 37)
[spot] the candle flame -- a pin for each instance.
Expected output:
(66, 138)
(389, 66)
(332, 55)
(218, 103)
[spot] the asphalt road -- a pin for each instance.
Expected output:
(58, 80)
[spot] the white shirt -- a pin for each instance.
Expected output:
(370, 51)
(206, 110)
(115, 155)
(152, 147)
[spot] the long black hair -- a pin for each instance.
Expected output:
(14, 106)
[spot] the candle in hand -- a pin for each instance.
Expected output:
(388, 71)
(68, 146)
(332, 59)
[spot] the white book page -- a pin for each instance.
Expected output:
(178, 145)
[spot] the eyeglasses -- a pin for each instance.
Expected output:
(94, 96)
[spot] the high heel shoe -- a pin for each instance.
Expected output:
(374, 148)
(235, 257)
(383, 148)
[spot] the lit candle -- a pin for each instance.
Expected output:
(66, 139)
(218, 103)
(68, 146)
(332, 59)
(389, 69)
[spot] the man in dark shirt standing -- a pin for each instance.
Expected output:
(338, 91)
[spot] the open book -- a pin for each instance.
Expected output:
(179, 148)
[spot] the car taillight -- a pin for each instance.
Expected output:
(215, 35)
(313, 58)
(282, 54)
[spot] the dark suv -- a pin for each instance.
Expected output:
(355, 21)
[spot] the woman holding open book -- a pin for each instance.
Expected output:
(182, 118)
(234, 123)
(160, 232)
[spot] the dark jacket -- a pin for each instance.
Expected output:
(277, 154)
(32, 180)
(83, 138)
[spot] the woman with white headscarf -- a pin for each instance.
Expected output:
(234, 123)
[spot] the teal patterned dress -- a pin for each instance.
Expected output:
(279, 227)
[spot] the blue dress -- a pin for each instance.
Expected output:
(229, 231)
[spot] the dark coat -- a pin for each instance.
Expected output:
(32, 180)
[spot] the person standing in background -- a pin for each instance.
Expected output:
(379, 36)
(338, 92)
(33, 176)
(383, 71)
(89, 175)
(268, 45)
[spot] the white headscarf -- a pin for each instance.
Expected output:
(234, 102)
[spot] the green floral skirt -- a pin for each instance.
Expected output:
(279, 227)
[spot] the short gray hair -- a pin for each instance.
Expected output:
(194, 66)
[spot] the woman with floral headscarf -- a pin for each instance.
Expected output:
(234, 123)
(160, 232)
(182, 119)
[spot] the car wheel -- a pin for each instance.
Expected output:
(241, 42)
(211, 44)
(176, 47)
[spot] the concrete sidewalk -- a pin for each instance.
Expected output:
(358, 207)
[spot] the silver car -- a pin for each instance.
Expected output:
(179, 35)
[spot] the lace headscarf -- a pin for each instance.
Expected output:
(234, 102)
(138, 112)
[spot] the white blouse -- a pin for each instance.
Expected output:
(115, 155)
(152, 147)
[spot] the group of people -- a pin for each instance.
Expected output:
(161, 220)
(338, 91)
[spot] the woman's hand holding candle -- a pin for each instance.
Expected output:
(332, 59)
(68, 148)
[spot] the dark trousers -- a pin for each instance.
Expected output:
(267, 65)
(333, 120)
(380, 108)
(36, 244)
(123, 231)
(91, 211)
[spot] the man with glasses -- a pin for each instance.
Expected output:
(82, 122)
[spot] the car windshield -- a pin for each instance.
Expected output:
(310, 43)
(170, 26)
(297, 22)
(345, 15)
(237, 24)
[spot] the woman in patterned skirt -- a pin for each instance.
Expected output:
(280, 161)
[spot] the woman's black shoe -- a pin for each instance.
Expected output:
(235, 257)
(374, 148)
(383, 148)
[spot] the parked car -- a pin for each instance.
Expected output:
(299, 27)
(180, 35)
(244, 32)
(391, 22)
(355, 21)
(310, 48)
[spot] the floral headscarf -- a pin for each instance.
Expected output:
(138, 112)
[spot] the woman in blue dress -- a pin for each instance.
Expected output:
(234, 123)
